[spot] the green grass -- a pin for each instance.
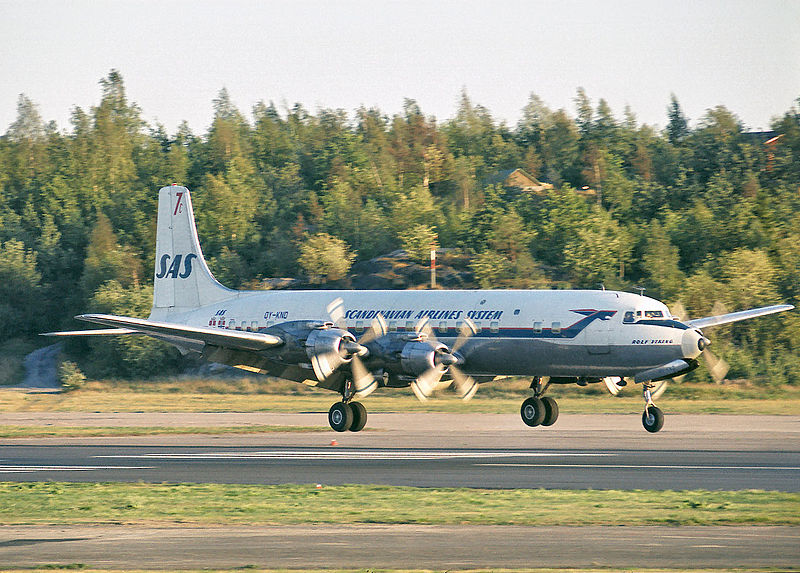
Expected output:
(205, 504)
(388, 401)
(95, 431)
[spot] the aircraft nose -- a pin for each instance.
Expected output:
(693, 343)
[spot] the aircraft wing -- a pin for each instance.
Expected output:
(737, 316)
(103, 332)
(235, 339)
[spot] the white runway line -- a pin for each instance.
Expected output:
(22, 469)
(350, 455)
(651, 467)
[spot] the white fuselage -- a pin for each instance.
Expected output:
(520, 332)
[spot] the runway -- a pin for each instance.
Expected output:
(441, 450)
(405, 546)
(477, 450)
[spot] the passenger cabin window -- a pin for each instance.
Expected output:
(537, 327)
(494, 326)
(254, 325)
(442, 326)
(477, 326)
(232, 324)
(555, 328)
(393, 326)
(359, 325)
(409, 325)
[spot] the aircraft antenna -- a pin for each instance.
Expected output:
(641, 290)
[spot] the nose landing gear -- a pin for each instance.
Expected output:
(652, 417)
(539, 409)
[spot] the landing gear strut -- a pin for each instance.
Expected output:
(538, 409)
(652, 417)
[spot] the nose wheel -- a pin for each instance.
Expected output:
(652, 417)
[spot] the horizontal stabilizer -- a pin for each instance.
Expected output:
(196, 334)
(737, 316)
(103, 332)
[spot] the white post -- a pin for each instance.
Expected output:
(433, 266)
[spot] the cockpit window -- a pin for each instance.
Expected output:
(653, 314)
(628, 318)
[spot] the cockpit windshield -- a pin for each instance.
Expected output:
(632, 316)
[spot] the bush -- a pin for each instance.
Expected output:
(70, 376)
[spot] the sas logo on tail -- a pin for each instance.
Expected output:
(174, 271)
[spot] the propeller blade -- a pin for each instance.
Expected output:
(679, 311)
(717, 367)
(336, 312)
(719, 308)
(377, 329)
(423, 327)
(613, 384)
(363, 380)
(323, 365)
(464, 384)
(467, 329)
(659, 389)
(426, 383)
(418, 393)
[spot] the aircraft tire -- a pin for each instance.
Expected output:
(340, 417)
(652, 419)
(550, 411)
(359, 416)
(532, 411)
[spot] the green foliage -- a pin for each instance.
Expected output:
(20, 290)
(700, 212)
(70, 376)
(325, 258)
(418, 242)
(126, 356)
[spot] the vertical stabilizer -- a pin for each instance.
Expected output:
(182, 280)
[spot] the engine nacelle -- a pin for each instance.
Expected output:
(328, 350)
(419, 356)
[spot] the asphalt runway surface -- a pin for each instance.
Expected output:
(407, 546)
(475, 450)
(427, 450)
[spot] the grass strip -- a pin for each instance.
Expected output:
(96, 431)
(126, 401)
(104, 503)
(50, 568)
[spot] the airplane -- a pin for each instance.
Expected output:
(353, 342)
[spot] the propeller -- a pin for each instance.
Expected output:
(364, 381)
(614, 384)
(445, 361)
(717, 367)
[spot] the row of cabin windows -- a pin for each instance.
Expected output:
(494, 326)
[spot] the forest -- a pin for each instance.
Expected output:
(701, 213)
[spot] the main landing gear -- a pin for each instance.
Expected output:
(652, 417)
(344, 416)
(539, 410)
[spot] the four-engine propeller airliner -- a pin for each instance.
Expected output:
(353, 342)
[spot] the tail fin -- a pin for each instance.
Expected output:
(182, 279)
